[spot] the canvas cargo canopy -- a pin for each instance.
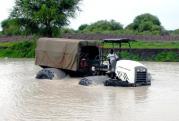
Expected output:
(60, 53)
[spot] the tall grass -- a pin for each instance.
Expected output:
(160, 57)
(23, 49)
(26, 49)
(147, 45)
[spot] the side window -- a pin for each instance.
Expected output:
(89, 52)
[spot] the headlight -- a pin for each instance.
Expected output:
(138, 70)
(93, 68)
(144, 70)
(141, 70)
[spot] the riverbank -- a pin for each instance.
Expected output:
(19, 49)
(141, 50)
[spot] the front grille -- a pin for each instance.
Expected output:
(141, 75)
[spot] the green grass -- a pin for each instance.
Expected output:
(26, 49)
(147, 45)
(160, 57)
(7, 44)
(21, 49)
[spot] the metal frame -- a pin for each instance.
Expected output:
(118, 41)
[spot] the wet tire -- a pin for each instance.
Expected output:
(45, 74)
(116, 83)
(93, 80)
(85, 82)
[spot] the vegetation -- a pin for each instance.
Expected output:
(18, 26)
(38, 18)
(176, 32)
(101, 27)
(47, 17)
(148, 45)
(146, 24)
(21, 49)
(26, 49)
(167, 56)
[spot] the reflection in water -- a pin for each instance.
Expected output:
(22, 97)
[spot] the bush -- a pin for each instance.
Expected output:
(101, 27)
(128, 55)
(167, 57)
(163, 57)
(23, 49)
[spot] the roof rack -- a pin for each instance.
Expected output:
(118, 41)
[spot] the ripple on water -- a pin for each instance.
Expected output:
(22, 97)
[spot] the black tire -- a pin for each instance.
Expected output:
(45, 74)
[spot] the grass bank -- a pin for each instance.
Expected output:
(166, 56)
(148, 45)
(26, 49)
(20, 49)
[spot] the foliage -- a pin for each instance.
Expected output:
(23, 49)
(48, 15)
(83, 27)
(1, 33)
(26, 49)
(148, 45)
(101, 26)
(167, 57)
(146, 24)
(176, 32)
(11, 27)
(18, 27)
(67, 30)
(128, 55)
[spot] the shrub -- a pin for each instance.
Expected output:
(128, 55)
(167, 57)
(23, 49)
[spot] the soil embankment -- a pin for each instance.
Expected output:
(14, 38)
(135, 37)
(153, 53)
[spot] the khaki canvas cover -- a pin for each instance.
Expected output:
(60, 53)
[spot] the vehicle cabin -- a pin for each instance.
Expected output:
(117, 43)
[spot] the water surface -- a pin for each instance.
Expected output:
(23, 98)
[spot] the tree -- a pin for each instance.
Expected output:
(10, 27)
(101, 26)
(18, 26)
(146, 23)
(83, 27)
(48, 15)
(176, 32)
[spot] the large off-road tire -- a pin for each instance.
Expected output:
(116, 83)
(93, 80)
(45, 74)
(85, 82)
(50, 73)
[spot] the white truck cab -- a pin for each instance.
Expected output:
(132, 72)
(127, 72)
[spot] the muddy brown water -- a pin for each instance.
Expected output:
(23, 98)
